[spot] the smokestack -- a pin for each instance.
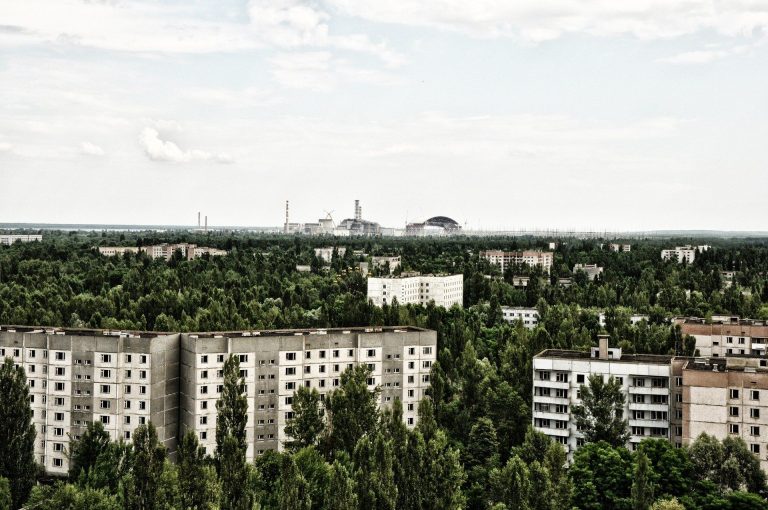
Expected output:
(198, 219)
(285, 227)
(206, 223)
(602, 342)
(358, 211)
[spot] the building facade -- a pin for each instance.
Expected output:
(727, 336)
(163, 251)
(326, 254)
(444, 290)
(76, 377)
(393, 261)
(529, 316)
(125, 379)
(275, 364)
(9, 239)
(647, 382)
(592, 270)
(114, 251)
(682, 254)
(532, 258)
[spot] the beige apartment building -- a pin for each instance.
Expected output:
(125, 379)
(163, 251)
(726, 336)
(420, 289)
(532, 258)
(727, 397)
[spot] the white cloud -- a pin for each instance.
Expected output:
(322, 71)
(540, 20)
(91, 149)
(705, 56)
(6, 147)
(158, 149)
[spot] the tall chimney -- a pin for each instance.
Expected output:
(358, 211)
(206, 223)
(285, 227)
(198, 219)
(602, 342)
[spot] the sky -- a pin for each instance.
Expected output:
(573, 114)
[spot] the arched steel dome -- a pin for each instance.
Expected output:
(442, 221)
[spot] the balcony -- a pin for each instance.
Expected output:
(648, 390)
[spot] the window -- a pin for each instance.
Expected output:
(203, 420)
(142, 374)
(290, 386)
(308, 355)
(426, 350)
(60, 356)
(288, 401)
(105, 419)
(561, 377)
(142, 405)
(754, 413)
(754, 430)
(106, 358)
(220, 358)
(203, 435)
(58, 462)
(580, 378)
(58, 401)
(336, 353)
(678, 381)
(411, 351)
(308, 369)
(143, 359)
(58, 417)
(733, 411)
(59, 386)
(243, 358)
(204, 404)
(61, 371)
(128, 358)
(290, 370)
(754, 448)
(543, 376)
(105, 388)
(290, 356)
(638, 381)
(371, 353)
(126, 404)
(322, 354)
(734, 393)
(104, 404)
(754, 395)
(204, 358)
(203, 390)
(243, 373)
(106, 374)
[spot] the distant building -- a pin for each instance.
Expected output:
(592, 270)
(303, 269)
(9, 239)
(357, 226)
(520, 281)
(635, 318)
(565, 282)
(437, 225)
(529, 316)
(164, 251)
(444, 290)
(394, 262)
(326, 254)
(532, 258)
(618, 247)
(727, 336)
(682, 254)
(646, 380)
(112, 251)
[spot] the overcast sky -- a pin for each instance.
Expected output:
(599, 114)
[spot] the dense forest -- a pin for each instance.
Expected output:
(473, 447)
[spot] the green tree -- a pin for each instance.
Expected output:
(374, 476)
(308, 422)
(17, 433)
(667, 504)
(602, 477)
(6, 499)
(146, 473)
(511, 484)
(294, 489)
(481, 456)
(198, 484)
(353, 410)
(232, 409)
(86, 450)
(600, 416)
(642, 486)
(61, 496)
(316, 472)
(341, 492)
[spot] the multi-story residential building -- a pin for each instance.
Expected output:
(727, 397)
(529, 316)
(635, 318)
(617, 247)
(76, 377)
(112, 251)
(532, 258)
(326, 254)
(592, 270)
(125, 379)
(444, 290)
(9, 239)
(275, 364)
(646, 380)
(394, 262)
(726, 336)
(164, 251)
(682, 254)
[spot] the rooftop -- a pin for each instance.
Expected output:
(625, 358)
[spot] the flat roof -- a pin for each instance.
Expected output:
(210, 334)
(625, 358)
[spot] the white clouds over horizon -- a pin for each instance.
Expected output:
(161, 150)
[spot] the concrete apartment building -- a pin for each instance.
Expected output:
(124, 379)
(444, 290)
(529, 316)
(727, 397)
(163, 251)
(682, 254)
(9, 239)
(726, 336)
(326, 254)
(75, 377)
(592, 270)
(647, 381)
(276, 363)
(394, 262)
(532, 258)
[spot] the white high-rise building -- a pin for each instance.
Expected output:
(685, 254)
(529, 257)
(646, 380)
(444, 290)
(529, 316)
(9, 239)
